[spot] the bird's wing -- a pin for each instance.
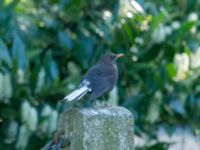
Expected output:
(100, 87)
(99, 78)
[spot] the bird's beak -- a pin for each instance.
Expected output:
(119, 55)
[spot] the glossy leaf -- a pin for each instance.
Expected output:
(18, 52)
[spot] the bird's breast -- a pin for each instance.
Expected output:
(112, 76)
(102, 76)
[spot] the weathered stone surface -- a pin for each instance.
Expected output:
(108, 128)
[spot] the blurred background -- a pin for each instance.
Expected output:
(46, 46)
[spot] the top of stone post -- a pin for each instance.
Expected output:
(116, 110)
(99, 128)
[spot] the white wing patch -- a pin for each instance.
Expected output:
(80, 92)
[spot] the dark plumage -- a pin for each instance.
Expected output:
(100, 78)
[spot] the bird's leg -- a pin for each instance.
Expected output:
(94, 103)
(106, 102)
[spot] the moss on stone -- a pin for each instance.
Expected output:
(98, 129)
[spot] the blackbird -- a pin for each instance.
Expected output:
(99, 79)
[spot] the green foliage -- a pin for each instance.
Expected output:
(46, 46)
(157, 146)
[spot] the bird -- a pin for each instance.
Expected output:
(99, 80)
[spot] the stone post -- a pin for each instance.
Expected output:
(109, 128)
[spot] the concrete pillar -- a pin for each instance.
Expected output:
(109, 128)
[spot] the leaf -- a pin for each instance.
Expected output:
(156, 21)
(4, 54)
(33, 53)
(183, 30)
(154, 110)
(18, 52)
(171, 70)
(129, 32)
(177, 106)
(158, 146)
(51, 66)
(53, 69)
(88, 45)
(65, 40)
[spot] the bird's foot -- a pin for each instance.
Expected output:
(94, 104)
(106, 104)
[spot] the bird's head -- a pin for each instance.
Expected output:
(109, 58)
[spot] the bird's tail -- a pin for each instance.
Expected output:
(77, 94)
